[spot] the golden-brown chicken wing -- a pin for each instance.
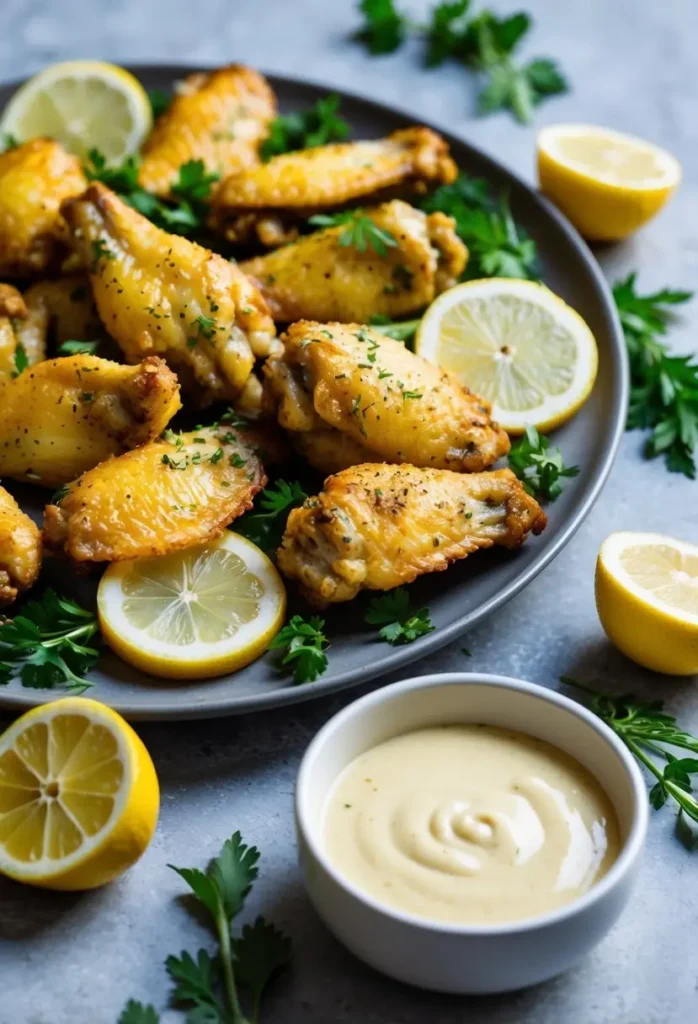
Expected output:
(162, 294)
(12, 311)
(320, 277)
(219, 117)
(35, 178)
(163, 496)
(57, 311)
(391, 404)
(63, 416)
(267, 201)
(20, 549)
(375, 527)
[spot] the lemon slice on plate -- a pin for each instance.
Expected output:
(79, 797)
(515, 343)
(83, 104)
(202, 612)
(607, 183)
(647, 599)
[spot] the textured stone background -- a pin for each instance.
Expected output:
(76, 959)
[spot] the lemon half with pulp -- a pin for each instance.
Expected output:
(197, 613)
(647, 599)
(607, 183)
(79, 796)
(515, 343)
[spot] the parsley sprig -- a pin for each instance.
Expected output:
(75, 348)
(265, 527)
(539, 467)
(358, 230)
(305, 644)
(306, 128)
(45, 644)
(20, 360)
(646, 730)
(400, 330)
(664, 388)
(401, 624)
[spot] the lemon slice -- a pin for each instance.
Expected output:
(79, 796)
(83, 104)
(647, 599)
(607, 183)
(516, 344)
(193, 614)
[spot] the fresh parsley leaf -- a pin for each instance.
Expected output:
(445, 32)
(260, 953)
(306, 644)
(159, 101)
(195, 985)
(193, 182)
(401, 624)
(539, 467)
(384, 28)
(44, 644)
(265, 528)
(663, 387)
(138, 1013)
(121, 178)
(400, 331)
(21, 360)
(74, 348)
(305, 129)
(359, 230)
(9, 141)
(100, 251)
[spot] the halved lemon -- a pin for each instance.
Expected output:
(82, 104)
(193, 614)
(79, 797)
(647, 599)
(607, 183)
(515, 343)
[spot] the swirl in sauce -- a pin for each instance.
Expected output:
(470, 823)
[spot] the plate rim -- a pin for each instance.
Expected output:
(393, 659)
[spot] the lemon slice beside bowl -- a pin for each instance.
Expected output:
(83, 104)
(515, 343)
(194, 614)
(647, 599)
(607, 183)
(79, 797)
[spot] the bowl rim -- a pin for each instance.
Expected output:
(630, 851)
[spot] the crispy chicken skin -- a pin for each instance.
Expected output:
(20, 549)
(318, 278)
(375, 527)
(35, 178)
(58, 311)
(389, 403)
(219, 117)
(63, 416)
(162, 294)
(161, 497)
(13, 310)
(269, 200)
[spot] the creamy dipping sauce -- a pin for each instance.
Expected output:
(470, 824)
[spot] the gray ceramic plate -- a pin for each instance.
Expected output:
(470, 590)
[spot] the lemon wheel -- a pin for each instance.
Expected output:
(79, 796)
(647, 599)
(202, 612)
(515, 343)
(607, 183)
(83, 104)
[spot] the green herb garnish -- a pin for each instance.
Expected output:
(385, 29)
(159, 101)
(305, 129)
(74, 348)
(137, 1013)
(401, 624)
(400, 331)
(100, 251)
(539, 467)
(305, 644)
(265, 528)
(359, 230)
(21, 360)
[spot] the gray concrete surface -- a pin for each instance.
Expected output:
(76, 959)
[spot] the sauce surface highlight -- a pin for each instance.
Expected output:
(470, 824)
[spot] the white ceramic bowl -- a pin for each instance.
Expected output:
(462, 958)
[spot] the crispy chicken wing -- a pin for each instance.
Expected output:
(35, 178)
(219, 117)
(12, 311)
(375, 527)
(162, 294)
(63, 416)
(58, 311)
(391, 405)
(163, 496)
(320, 277)
(20, 549)
(267, 201)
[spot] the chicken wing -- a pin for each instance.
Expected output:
(35, 178)
(267, 201)
(172, 493)
(393, 406)
(162, 294)
(63, 416)
(375, 527)
(57, 311)
(320, 277)
(20, 549)
(219, 117)
(12, 311)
